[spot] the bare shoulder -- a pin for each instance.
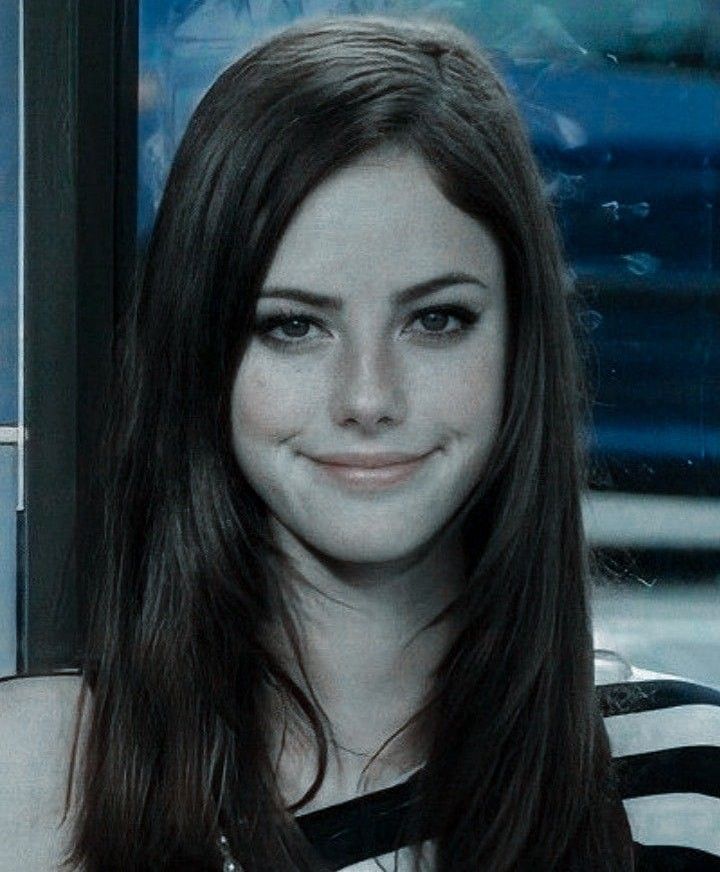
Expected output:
(37, 722)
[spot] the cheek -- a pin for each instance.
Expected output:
(265, 404)
(470, 398)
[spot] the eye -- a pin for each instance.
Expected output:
(435, 318)
(293, 326)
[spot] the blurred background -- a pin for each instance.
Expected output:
(621, 100)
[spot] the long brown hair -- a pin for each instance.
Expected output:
(519, 774)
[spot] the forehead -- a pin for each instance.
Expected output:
(378, 224)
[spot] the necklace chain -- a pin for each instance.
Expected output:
(230, 864)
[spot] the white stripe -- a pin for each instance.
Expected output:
(665, 728)
(688, 820)
(610, 668)
(627, 519)
(648, 675)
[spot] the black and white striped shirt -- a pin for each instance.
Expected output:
(665, 737)
(664, 733)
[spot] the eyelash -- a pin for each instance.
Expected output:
(465, 316)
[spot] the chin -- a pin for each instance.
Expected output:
(362, 547)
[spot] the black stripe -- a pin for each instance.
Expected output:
(670, 858)
(644, 696)
(361, 828)
(691, 769)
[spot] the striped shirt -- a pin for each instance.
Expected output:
(664, 733)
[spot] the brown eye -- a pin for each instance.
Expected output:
(435, 319)
(295, 327)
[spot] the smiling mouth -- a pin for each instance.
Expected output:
(372, 477)
(369, 460)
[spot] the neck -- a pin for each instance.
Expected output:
(367, 657)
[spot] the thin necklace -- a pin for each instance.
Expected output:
(230, 864)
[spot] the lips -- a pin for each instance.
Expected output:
(369, 472)
(378, 460)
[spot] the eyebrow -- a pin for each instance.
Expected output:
(405, 295)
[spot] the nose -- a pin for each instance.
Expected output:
(369, 389)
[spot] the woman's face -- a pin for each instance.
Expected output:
(360, 369)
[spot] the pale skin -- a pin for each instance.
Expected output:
(372, 375)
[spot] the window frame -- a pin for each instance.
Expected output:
(79, 103)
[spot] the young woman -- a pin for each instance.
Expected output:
(343, 614)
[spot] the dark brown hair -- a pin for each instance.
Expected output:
(519, 774)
